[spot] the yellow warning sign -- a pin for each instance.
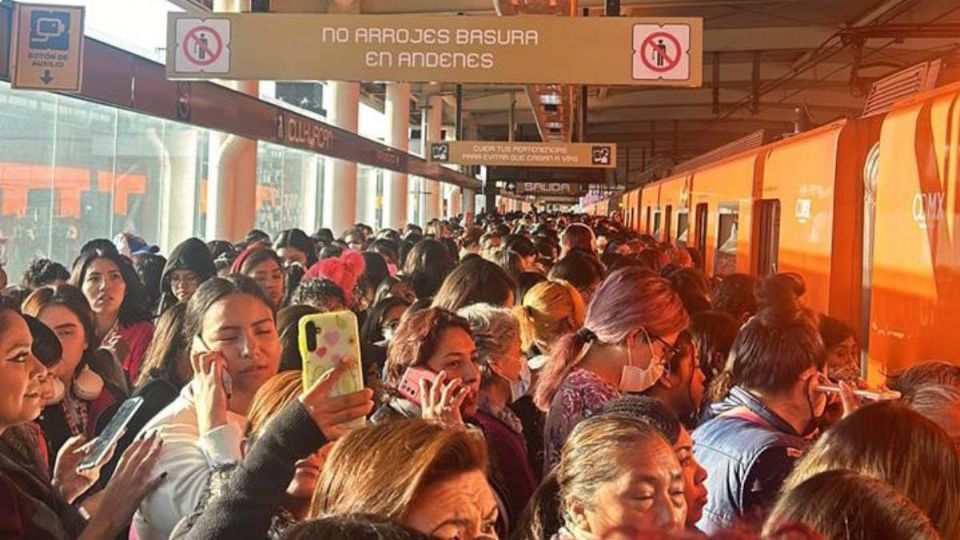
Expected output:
(47, 48)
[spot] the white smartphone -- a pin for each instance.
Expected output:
(871, 395)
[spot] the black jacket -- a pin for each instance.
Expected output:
(258, 486)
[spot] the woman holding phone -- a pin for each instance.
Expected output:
(236, 349)
(32, 507)
(431, 369)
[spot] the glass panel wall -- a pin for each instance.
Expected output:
(287, 184)
(72, 171)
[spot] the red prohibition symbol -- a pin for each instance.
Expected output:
(197, 45)
(655, 52)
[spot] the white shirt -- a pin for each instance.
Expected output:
(187, 458)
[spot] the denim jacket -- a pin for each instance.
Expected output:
(748, 451)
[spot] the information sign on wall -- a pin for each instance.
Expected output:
(47, 48)
(523, 49)
(525, 154)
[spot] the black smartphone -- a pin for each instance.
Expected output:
(111, 434)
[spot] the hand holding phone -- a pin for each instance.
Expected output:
(100, 448)
(199, 347)
(330, 342)
(212, 389)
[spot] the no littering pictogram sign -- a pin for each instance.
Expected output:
(203, 46)
(661, 52)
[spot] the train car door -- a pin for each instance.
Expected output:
(768, 246)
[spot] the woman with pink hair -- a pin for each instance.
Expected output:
(626, 344)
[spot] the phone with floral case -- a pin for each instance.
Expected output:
(325, 340)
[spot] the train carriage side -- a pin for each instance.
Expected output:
(674, 198)
(808, 212)
(721, 200)
(914, 279)
(650, 203)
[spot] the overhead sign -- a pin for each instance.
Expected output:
(525, 154)
(47, 48)
(547, 189)
(524, 49)
(558, 175)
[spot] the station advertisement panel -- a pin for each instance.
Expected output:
(525, 154)
(608, 51)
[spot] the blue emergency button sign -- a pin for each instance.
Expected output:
(50, 30)
(48, 48)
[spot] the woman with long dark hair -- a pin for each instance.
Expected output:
(115, 294)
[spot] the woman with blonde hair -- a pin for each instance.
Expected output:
(617, 477)
(845, 505)
(549, 310)
(632, 324)
(910, 452)
(428, 476)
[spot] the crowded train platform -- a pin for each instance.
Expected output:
(532, 376)
(479, 270)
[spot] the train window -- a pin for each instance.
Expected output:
(769, 237)
(656, 225)
(725, 258)
(701, 237)
(683, 228)
(668, 223)
(647, 228)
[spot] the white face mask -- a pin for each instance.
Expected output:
(635, 379)
(520, 387)
(87, 385)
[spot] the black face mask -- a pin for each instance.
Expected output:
(815, 422)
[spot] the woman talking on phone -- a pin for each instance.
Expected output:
(235, 350)
(431, 369)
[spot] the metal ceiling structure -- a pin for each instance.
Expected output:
(766, 63)
(764, 60)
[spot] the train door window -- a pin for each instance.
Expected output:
(701, 239)
(683, 228)
(656, 225)
(725, 258)
(667, 223)
(769, 237)
(647, 228)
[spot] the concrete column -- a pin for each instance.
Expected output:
(232, 180)
(310, 190)
(340, 177)
(431, 128)
(455, 209)
(179, 189)
(395, 189)
(469, 205)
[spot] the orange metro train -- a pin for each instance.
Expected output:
(867, 210)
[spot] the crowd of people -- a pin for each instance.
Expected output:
(577, 381)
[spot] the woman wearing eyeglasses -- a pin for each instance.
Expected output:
(632, 323)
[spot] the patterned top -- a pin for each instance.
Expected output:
(580, 395)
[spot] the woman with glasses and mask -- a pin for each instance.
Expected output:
(631, 322)
(751, 444)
